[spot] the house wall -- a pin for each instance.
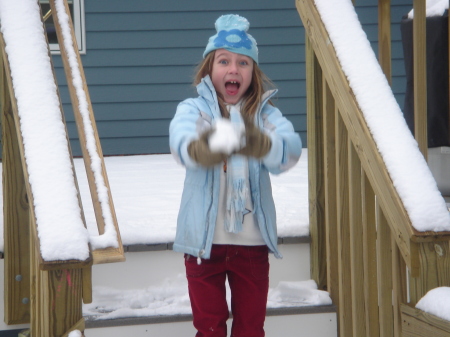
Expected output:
(141, 56)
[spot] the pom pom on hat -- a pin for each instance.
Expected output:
(232, 35)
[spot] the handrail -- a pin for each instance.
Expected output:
(362, 236)
(40, 289)
(89, 139)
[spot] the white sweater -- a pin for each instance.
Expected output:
(250, 234)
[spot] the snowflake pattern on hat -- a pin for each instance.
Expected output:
(234, 38)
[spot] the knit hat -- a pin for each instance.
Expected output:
(232, 36)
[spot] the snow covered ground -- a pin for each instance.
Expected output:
(147, 191)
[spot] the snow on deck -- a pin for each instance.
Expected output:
(147, 189)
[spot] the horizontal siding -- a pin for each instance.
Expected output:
(229, 6)
(141, 57)
(174, 57)
(183, 38)
(146, 21)
(120, 111)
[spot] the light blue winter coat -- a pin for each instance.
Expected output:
(199, 202)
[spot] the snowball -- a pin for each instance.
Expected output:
(226, 137)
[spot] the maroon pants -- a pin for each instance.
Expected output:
(247, 269)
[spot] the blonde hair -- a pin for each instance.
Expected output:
(251, 99)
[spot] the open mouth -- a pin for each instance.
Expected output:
(232, 87)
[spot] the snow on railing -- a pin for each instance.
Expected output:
(405, 164)
(109, 237)
(60, 226)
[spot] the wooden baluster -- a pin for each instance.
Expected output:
(316, 169)
(370, 258)
(345, 283)
(384, 259)
(330, 192)
(356, 244)
(399, 281)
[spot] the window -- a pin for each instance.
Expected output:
(76, 8)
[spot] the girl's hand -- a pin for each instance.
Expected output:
(200, 152)
(258, 144)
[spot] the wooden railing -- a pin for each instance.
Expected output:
(364, 249)
(49, 294)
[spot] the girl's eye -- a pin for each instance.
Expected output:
(223, 62)
(243, 63)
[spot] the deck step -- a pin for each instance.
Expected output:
(135, 272)
(304, 321)
(301, 320)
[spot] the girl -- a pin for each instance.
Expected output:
(227, 222)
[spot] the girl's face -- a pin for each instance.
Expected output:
(231, 75)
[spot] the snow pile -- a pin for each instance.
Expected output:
(406, 166)
(60, 226)
(436, 302)
(433, 8)
(171, 298)
(294, 293)
(226, 137)
(109, 237)
(75, 333)
(168, 299)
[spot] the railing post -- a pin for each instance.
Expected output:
(384, 37)
(384, 259)
(434, 269)
(399, 286)
(343, 230)
(356, 244)
(420, 76)
(330, 192)
(316, 169)
(370, 258)
(15, 209)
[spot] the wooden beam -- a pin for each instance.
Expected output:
(56, 297)
(330, 193)
(399, 286)
(384, 259)
(15, 210)
(370, 258)
(434, 271)
(343, 238)
(420, 75)
(111, 254)
(384, 37)
(316, 169)
(417, 323)
(356, 244)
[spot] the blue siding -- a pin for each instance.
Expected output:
(141, 56)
